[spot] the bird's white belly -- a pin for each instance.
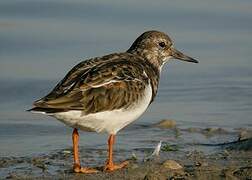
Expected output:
(106, 121)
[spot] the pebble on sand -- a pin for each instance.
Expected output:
(166, 123)
(245, 134)
(171, 164)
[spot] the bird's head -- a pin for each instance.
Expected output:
(158, 48)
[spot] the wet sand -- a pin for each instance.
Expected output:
(232, 161)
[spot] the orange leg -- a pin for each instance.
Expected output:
(77, 167)
(110, 166)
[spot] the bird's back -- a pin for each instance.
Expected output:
(100, 84)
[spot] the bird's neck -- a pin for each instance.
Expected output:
(152, 66)
(153, 73)
(151, 57)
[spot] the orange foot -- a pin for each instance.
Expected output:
(111, 166)
(85, 170)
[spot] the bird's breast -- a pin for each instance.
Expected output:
(107, 121)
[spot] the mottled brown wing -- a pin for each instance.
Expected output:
(106, 86)
(79, 70)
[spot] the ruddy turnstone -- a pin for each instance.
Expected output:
(105, 94)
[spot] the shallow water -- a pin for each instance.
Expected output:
(41, 41)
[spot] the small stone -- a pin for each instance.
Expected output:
(133, 166)
(66, 152)
(133, 157)
(197, 163)
(166, 123)
(171, 164)
(245, 134)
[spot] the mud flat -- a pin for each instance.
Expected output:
(233, 161)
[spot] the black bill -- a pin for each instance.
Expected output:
(179, 55)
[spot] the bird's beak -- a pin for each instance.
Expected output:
(179, 55)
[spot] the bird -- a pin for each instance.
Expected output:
(105, 94)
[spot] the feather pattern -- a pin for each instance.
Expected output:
(101, 84)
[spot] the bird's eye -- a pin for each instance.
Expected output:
(161, 44)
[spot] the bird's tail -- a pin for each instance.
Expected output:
(42, 110)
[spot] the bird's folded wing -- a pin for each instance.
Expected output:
(105, 87)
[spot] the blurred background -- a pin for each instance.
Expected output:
(40, 41)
